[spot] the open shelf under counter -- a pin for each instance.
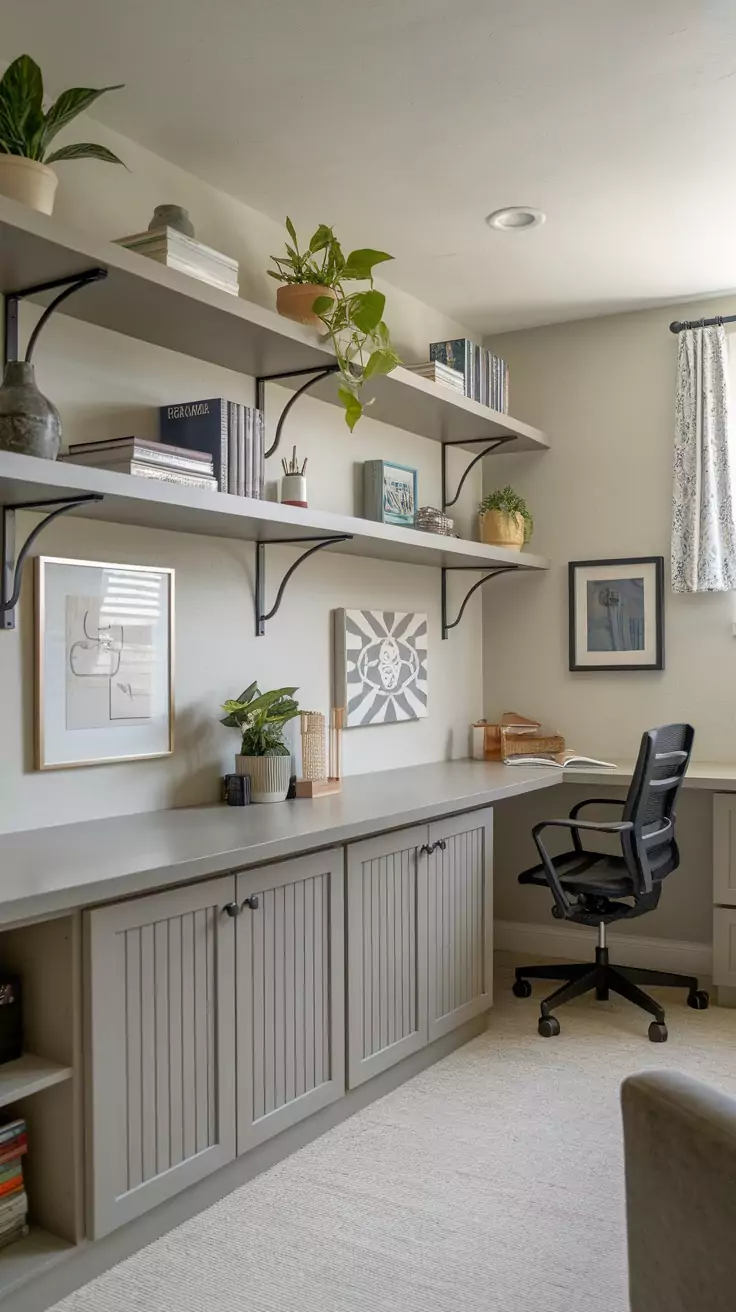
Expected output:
(28, 1257)
(145, 300)
(29, 1074)
(128, 499)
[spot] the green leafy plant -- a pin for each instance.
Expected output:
(261, 717)
(353, 320)
(508, 501)
(25, 129)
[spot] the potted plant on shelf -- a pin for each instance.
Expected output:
(313, 291)
(264, 756)
(26, 132)
(505, 520)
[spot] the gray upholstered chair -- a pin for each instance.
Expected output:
(680, 1146)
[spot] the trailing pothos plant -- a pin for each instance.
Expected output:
(353, 320)
(27, 130)
(509, 503)
(260, 718)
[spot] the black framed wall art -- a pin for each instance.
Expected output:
(617, 613)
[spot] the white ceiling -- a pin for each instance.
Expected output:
(404, 122)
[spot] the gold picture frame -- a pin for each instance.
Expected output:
(147, 606)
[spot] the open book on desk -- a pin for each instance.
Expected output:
(568, 761)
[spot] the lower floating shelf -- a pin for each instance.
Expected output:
(28, 1257)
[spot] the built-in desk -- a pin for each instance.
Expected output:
(712, 775)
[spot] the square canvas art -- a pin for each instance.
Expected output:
(380, 666)
(390, 493)
(617, 614)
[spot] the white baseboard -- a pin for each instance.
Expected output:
(576, 943)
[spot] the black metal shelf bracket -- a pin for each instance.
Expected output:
(68, 285)
(262, 616)
(317, 372)
(11, 567)
(454, 569)
(468, 441)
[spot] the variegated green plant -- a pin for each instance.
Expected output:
(27, 129)
(261, 717)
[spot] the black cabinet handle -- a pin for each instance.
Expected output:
(251, 902)
(231, 909)
(441, 844)
(429, 848)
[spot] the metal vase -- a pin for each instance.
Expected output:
(29, 424)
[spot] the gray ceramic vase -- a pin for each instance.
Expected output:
(29, 424)
(172, 216)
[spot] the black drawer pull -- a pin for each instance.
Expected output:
(231, 909)
(429, 848)
(251, 902)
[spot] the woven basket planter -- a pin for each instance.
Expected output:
(499, 529)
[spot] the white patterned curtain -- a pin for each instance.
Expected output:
(703, 526)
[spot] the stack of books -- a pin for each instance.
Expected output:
(485, 376)
(138, 455)
(232, 434)
(177, 251)
(440, 373)
(13, 1198)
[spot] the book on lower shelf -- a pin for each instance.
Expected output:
(146, 459)
(13, 1197)
(567, 760)
(229, 432)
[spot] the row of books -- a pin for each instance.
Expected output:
(146, 459)
(485, 375)
(230, 433)
(13, 1197)
(437, 372)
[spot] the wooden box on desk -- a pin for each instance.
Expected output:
(497, 742)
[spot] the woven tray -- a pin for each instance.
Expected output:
(527, 744)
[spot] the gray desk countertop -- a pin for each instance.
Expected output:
(48, 871)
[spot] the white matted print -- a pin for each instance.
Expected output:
(617, 614)
(104, 644)
(380, 666)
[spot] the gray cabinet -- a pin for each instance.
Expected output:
(387, 951)
(419, 938)
(459, 920)
(160, 1048)
(290, 953)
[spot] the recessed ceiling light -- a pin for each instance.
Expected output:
(515, 218)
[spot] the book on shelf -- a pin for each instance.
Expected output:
(485, 375)
(19, 1231)
(113, 450)
(178, 251)
(229, 432)
(13, 1197)
(567, 760)
(437, 372)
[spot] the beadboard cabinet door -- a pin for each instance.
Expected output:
(387, 951)
(160, 1045)
(290, 972)
(460, 920)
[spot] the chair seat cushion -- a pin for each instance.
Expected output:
(591, 873)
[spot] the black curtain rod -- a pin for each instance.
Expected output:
(702, 323)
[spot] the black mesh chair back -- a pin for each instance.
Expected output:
(650, 846)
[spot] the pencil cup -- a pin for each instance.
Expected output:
(293, 490)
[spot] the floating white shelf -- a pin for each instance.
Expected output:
(144, 300)
(29, 1074)
(29, 1257)
(148, 504)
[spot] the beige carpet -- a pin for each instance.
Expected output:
(491, 1183)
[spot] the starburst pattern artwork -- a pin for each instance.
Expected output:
(380, 666)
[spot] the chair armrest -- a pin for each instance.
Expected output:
(597, 801)
(564, 906)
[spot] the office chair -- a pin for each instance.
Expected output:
(593, 888)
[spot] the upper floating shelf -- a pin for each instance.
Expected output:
(142, 299)
(151, 504)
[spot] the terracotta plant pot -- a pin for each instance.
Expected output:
(28, 181)
(269, 776)
(295, 300)
(499, 529)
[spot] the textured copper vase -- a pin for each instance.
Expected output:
(29, 424)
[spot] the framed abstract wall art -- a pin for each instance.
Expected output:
(617, 614)
(104, 662)
(380, 666)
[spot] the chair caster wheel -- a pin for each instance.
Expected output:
(658, 1032)
(522, 988)
(548, 1027)
(698, 1000)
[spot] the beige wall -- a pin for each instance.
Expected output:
(104, 385)
(604, 391)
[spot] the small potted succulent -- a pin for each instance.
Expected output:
(26, 132)
(313, 291)
(504, 519)
(264, 756)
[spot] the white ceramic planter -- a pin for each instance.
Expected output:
(293, 490)
(28, 181)
(269, 776)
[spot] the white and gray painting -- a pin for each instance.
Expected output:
(381, 666)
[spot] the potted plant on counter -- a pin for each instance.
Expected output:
(504, 519)
(26, 132)
(264, 756)
(313, 291)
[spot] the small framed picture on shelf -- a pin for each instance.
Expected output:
(617, 614)
(104, 662)
(390, 493)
